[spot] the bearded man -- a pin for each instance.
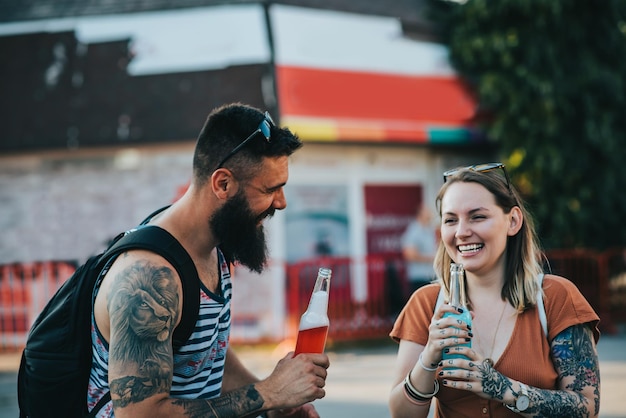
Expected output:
(240, 167)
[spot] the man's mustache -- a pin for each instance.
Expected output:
(267, 214)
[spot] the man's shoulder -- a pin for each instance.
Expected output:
(136, 258)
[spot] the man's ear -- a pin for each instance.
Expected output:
(223, 184)
(516, 221)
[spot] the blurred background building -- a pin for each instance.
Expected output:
(102, 101)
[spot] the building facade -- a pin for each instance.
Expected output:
(102, 110)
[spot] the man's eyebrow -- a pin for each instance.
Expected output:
(278, 186)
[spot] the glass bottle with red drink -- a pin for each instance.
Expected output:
(314, 322)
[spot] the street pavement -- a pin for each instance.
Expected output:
(360, 374)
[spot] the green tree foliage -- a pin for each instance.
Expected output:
(550, 80)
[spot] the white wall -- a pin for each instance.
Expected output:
(353, 166)
(66, 205)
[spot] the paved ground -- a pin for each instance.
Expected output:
(359, 377)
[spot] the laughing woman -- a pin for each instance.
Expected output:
(513, 367)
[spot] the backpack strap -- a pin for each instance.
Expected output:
(540, 306)
(440, 298)
(153, 214)
(159, 241)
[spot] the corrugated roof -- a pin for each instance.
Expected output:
(112, 56)
(410, 11)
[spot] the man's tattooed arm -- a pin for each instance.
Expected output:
(143, 307)
(238, 403)
(576, 361)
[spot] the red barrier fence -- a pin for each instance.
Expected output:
(24, 291)
(350, 317)
(601, 277)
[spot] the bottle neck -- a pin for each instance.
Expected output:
(457, 286)
(317, 311)
(455, 290)
(323, 280)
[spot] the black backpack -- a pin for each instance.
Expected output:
(56, 362)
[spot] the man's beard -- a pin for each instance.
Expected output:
(239, 234)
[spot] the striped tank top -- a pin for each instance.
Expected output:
(198, 365)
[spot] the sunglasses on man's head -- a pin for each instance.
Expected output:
(480, 168)
(264, 128)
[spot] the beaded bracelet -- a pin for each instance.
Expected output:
(416, 394)
(423, 366)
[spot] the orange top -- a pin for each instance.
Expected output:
(527, 355)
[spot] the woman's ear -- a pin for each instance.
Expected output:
(223, 184)
(516, 220)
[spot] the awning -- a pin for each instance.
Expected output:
(327, 105)
(349, 77)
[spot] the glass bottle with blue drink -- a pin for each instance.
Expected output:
(458, 300)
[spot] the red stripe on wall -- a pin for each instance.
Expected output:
(385, 97)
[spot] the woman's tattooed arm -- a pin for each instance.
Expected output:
(576, 361)
(494, 383)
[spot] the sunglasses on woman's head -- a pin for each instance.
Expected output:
(483, 168)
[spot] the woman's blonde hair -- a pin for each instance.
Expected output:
(523, 253)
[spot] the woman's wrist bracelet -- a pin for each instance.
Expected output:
(423, 366)
(414, 401)
(416, 394)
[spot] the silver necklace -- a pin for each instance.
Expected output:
(495, 334)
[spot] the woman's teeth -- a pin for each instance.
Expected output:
(470, 248)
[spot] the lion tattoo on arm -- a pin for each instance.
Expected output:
(143, 307)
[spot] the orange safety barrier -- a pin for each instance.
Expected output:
(24, 291)
(350, 318)
(616, 271)
(601, 277)
(591, 272)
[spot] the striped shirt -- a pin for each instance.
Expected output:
(198, 365)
